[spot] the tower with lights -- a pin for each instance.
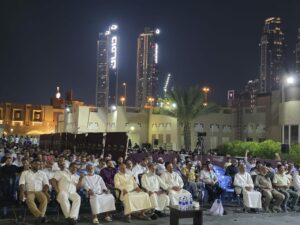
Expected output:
(107, 68)
(271, 57)
(147, 67)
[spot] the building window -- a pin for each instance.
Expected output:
(1, 114)
(168, 138)
(161, 138)
(294, 134)
(286, 134)
(17, 114)
(36, 116)
(153, 137)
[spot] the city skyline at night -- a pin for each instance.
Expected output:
(54, 44)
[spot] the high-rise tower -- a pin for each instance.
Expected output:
(298, 53)
(147, 67)
(271, 59)
(107, 75)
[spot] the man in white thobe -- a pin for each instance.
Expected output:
(133, 198)
(160, 168)
(175, 184)
(66, 183)
(100, 199)
(129, 167)
(243, 183)
(140, 168)
(156, 189)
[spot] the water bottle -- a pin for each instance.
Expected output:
(191, 202)
(183, 203)
(186, 202)
(180, 203)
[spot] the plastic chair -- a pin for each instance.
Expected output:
(219, 171)
(9, 197)
(225, 182)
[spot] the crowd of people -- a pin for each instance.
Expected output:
(145, 188)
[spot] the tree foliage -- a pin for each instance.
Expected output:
(294, 154)
(189, 105)
(268, 149)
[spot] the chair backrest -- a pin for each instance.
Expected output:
(8, 191)
(140, 179)
(219, 171)
(225, 182)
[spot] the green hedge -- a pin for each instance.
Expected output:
(294, 154)
(267, 149)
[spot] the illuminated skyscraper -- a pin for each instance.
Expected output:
(147, 67)
(298, 53)
(271, 60)
(167, 84)
(107, 75)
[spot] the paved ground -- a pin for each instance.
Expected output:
(232, 218)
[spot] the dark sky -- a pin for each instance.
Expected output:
(214, 42)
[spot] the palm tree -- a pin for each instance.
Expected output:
(189, 105)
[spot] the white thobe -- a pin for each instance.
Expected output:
(251, 199)
(100, 202)
(138, 169)
(160, 169)
(133, 201)
(151, 182)
(174, 180)
(296, 181)
(50, 174)
(129, 172)
(67, 183)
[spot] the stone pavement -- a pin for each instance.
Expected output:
(232, 218)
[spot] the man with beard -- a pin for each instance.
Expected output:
(100, 199)
(66, 183)
(264, 183)
(156, 190)
(34, 185)
(175, 184)
(133, 198)
(108, 173)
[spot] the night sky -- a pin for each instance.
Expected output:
(44, 44)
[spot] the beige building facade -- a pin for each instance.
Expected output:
(28, 119)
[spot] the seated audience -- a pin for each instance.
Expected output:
(232, 169)
(249, 165)
(227, 163)
(129, 166)
(264, 183)
(296, 179)
(282, 183)
(160, 168)
(140, 168)
(66, 183)
(190, 179)
(34, 186)
(108, 173)
(210, 179)
(100, 199)
(156, 189)
(243, 184)
(175, 184)
(133, 198)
